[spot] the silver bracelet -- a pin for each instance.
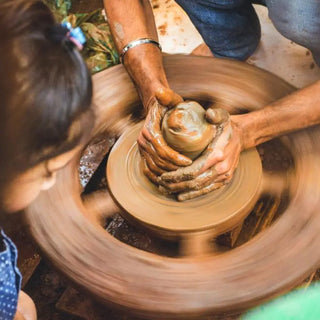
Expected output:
(136, 43)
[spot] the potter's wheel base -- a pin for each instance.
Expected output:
(141, 201)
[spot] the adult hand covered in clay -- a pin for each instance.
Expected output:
(144, 65)
(213, 168)
(158, 157)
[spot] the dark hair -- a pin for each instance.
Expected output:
(45, 86)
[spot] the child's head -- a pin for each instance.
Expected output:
(45, 98)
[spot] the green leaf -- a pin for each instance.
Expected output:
(99, 52)
(99, 62)
(60, 8)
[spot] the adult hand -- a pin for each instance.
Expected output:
(158, 157)
(214, 167)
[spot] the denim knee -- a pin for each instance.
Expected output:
(231, 29)
(299, 21)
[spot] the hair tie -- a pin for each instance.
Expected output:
(75, 35)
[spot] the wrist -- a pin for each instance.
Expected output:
(144, 65)
(136, 43)
(144, 62)
(241, 129)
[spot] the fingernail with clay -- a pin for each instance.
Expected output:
(217, 116)
(163, 95)
(184, 161)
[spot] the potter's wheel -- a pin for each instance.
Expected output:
(217, 211)
(154, 286)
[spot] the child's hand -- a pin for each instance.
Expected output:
(26, 309)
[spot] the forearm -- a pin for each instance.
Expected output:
(130, 20)
(296, 111)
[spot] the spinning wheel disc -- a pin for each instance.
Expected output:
(153, 286)
(218, 211)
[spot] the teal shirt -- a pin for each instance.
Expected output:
(300, 304)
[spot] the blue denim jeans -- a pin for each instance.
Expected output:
(231, 28)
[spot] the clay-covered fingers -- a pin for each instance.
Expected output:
(197, 193)
(152, 132)
(168, 97)
(198, 183)
(220, 174)
(208, 159)
(217, 116)
(183, 174)
(222, 154)
(152, 141)
(225, 169)
(212, 155)
(230, 158)
(153, 159)
(150, 163)
(148, 173)
(223, 175)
